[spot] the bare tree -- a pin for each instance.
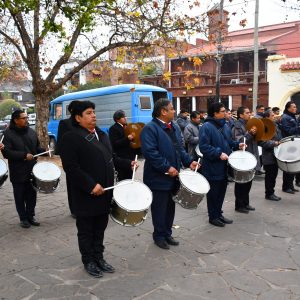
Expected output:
(47, 34)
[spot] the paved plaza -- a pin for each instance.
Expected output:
(257, 257)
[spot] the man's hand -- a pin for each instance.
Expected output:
(172, 172)
(194, 165)
(134, 163)
(242, 145)
(131, 136)
(97, 190)
(253, 130)
(1, 146)
(224, 156)
(29, 156)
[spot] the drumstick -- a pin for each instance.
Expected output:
(112, 187)
(135, 162)
(244, 147)
(197, 165)
(2, 139)
(49, 151)
(42, 153)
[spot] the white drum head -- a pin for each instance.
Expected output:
(288, 151)
(46, 171)
(242, 160)
(194, 182)
(132, 195)
(3, 167)
(198, 152)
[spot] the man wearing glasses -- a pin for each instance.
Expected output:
(21, 144)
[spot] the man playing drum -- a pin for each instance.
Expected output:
(216, 144)
(21, 144)
(164, 153)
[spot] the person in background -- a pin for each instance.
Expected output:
(202, 117)
(260, 109)
(164, 156)
(182, 119)
(289, 126)
(216, 145)
(21, 144)
(269, 160)
(191, 134)
(229, 119)
(64, 126)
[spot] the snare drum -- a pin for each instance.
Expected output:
(131, 201)
(46, 177)
(242, 164)
(288, 155)
(193, 188)
(3, 172)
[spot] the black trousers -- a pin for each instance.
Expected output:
(90, 236)
(215, 198)
(287, 181)
(270, 179)
(163, 213)
(25, 199)
(241, 192)
(69, 192)
(124, 174)
(297, 176)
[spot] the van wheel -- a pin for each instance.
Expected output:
(52, 144)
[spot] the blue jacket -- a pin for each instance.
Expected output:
(215, 138)
(289, 124)
(160, 154)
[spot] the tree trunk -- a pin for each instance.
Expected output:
(42, 117)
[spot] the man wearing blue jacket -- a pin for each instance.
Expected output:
(164, 155)
(216, 144)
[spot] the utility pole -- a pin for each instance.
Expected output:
(256, 65)
(219, 51)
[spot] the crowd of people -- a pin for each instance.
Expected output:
(90, 158)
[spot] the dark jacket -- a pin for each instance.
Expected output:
(120, 143)
(191, 138)
(239, 131)
(268, 157)
(63, 127)
(19, 142)
(162, 149)
(182, 122)
(215, 138)
(289, 124)
(87, 162)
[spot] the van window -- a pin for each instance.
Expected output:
(57, 111)
(145, 102)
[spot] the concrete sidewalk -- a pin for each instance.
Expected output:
(257, 257)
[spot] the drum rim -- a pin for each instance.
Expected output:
(134, 181)
(242, 170)
(201, 176)
(43, 162)
(276, 150)
(4, 164)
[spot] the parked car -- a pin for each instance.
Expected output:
(31, 118)
(3, 126)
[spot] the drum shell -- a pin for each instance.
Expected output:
(125, 217)
(3, 172)
(188, 199)
(45, 187)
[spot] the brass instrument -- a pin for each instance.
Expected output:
(265, 128)
(135, 129)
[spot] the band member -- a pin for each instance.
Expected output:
(289, 126)
(191, 134)
(87, 160)
(239, 132)
(64, 126)
(164, 153)
(21, 144)
(215, 145)
(269, 160)
(121, 143)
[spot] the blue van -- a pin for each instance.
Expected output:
(136, 100)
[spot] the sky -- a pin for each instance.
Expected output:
(270, 11)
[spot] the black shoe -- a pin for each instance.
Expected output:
(171, 241)
(294, 190)
(217, 222)
(289, 191)
(73, 216)
(242, 210)
(259, 173)
(162, 244)
(225, 220)
(24, 224)
(104, 266)
(33, 221)
(298, 184)
(273, 197)
(93, 269)
(249, 207)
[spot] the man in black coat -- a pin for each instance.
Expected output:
(64, 126)
(121, 143)
(87, 160)
(21, 144)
